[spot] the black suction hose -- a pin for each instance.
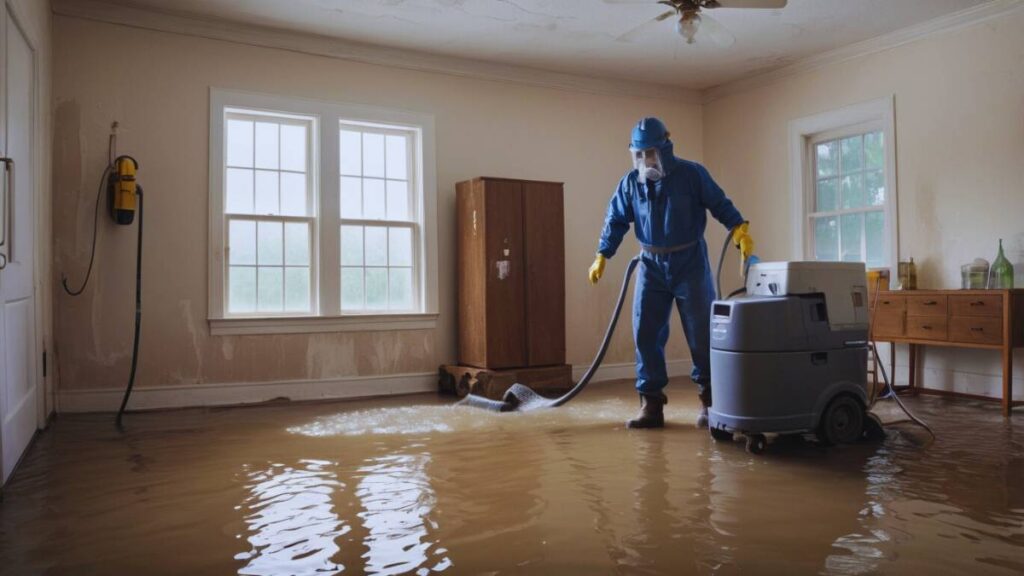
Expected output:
(138, 315)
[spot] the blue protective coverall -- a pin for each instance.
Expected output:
(669, 213)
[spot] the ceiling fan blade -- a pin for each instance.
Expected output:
(713, 30)
(629, 1)
(749, 4)
(638, 31)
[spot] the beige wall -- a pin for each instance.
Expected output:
(156, 85)
(959, 99)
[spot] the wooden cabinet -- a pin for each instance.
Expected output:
(511, 273)
(992, 319)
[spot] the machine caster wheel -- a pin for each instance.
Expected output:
(873, 429)
(756, 443)
(721, 434)
(842, 422)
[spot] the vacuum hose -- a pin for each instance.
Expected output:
(138, 315)
(520, 397)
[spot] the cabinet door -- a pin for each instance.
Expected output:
(472, 262)
(544, 233)
(505, 274)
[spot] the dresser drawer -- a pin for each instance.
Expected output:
(984, 305)
(888, 323)
(976, 330)
(888, 302)
(924, 305)
(927, 327)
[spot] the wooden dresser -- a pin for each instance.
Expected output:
(988, 319)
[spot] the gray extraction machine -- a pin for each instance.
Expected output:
(791, 356)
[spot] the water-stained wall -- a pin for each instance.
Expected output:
(156, 85)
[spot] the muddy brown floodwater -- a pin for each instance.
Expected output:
(416, 486)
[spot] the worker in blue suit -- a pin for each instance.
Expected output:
(667, 200)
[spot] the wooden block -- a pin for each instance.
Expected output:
(461, 380)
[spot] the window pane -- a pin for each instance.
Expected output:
(351, 197)
(401, 288)
(296, 243)
(874, 151)
(398, 200)
(396, 158)
(852, 230)
(239, 143)
(293, 147)
(266, 145)
(269, 238)
(827, 154)
(826, 239)
(242, 289)
(853, 158)
(351, 245)
(874, 187)
(294, 194)
(239, 187)
(373, 200)
(296, 289)
(853, 191)
(874, 224)
(827, 194)
(400, 247)
(351, 160)
(270, 290)
(351, 288)
(376, 246)
(242, 242)
(376, 288)
(373, 155)
(266, 192)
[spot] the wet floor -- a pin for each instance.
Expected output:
(415, 486)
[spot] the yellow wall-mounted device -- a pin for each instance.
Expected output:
(122, 190)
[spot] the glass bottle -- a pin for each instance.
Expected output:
(1001, 273)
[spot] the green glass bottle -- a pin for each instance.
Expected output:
(1001, 273)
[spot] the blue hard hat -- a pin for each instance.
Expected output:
(649, 133)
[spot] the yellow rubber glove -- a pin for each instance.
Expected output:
(597, 269)
(741, 239)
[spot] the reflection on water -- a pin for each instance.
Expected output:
(397, 499)
(415, 486)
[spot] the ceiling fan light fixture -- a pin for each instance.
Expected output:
(688, 25)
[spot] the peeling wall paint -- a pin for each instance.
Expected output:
(160, 97)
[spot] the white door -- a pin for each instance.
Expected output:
(17, 299)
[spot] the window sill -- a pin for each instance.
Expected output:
(320, 324)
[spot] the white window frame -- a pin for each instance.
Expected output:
(326, 258)
(874, 115)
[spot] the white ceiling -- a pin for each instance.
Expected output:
(581, 36)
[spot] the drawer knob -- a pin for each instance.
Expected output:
(930, 303)
(977, 303)
(886, 302)
(926, 327)
(977, 329)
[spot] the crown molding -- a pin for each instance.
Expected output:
(320, 45)
(942, 24)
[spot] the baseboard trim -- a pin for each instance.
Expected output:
(627, 370)
(241, 393)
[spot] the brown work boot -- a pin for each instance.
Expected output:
(651, 414)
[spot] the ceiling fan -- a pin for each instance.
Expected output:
(692, 20)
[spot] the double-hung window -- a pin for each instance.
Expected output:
(844, 185)
(321, 216)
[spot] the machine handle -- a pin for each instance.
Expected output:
(7, 238)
